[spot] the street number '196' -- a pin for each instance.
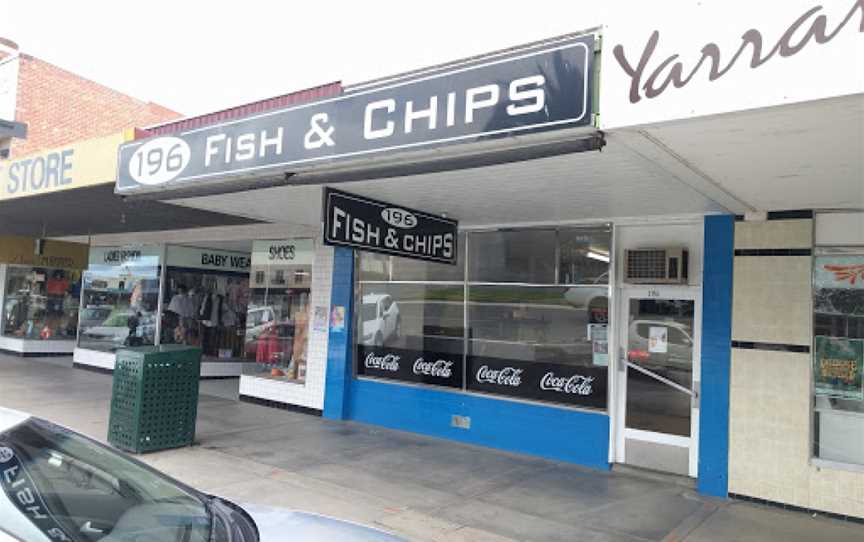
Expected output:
(399, 217)
(159, 161)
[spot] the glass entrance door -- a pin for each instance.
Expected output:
(659, 368)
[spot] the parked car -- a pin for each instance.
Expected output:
(56, 484)
(594, 298)
(380, 317)
(116, 327)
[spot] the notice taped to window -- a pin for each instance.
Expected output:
(838, 364)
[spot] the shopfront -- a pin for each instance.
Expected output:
(137, 295)
(509, 286)
(41, 283)
(486, 276)
(515, 344)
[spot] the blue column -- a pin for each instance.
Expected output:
(339, 371)
(716, 355)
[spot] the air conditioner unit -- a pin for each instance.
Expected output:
(655, 265)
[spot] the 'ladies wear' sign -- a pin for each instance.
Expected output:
(376, 226)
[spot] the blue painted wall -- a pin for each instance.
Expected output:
(716, 355)
(554, 433)
(339, 372)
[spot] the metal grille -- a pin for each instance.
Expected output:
(646, 264)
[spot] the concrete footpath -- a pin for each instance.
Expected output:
(422, 488)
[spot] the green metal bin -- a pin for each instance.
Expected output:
(154, 402)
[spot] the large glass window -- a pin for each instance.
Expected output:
(276, 333)
(838, 356)
(533, 323)
(119, 300)
(207, 310)
(41, 303)
(410, 319)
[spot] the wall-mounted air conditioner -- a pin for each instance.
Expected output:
(655, 265)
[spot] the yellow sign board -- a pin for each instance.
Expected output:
(22, 251)
(83, 163)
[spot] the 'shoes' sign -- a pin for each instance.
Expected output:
(410, 365)
(537, 90)
(368, 224)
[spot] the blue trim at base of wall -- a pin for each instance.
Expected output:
(716, 355)
(553, 433)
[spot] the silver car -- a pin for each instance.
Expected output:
(56, 484)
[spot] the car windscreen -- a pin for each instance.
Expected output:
(368, 311)
(72, 488)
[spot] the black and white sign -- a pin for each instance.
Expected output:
(209, 259)
(410, 365)
(524, 92)
(554, 382)
(377, 226)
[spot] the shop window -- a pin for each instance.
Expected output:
(277, 317)
(411, 332)
(529, 332)
(207, 310)
(583, 257)
(41, 303)
(526, 256)
(119, 299)
(838, 357)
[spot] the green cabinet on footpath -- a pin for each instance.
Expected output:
(154, 402)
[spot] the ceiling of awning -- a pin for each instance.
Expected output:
(94, 210)
(801, 156)
(615, 182)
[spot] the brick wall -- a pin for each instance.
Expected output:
(61, 107)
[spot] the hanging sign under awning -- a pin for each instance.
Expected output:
(376, 226)
(542, 88)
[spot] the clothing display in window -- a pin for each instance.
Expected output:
(39, 303)
(205, 309)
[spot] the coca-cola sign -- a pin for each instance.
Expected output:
(440, 368)
(575, 384)
(426, 367)
(582, 385)
(507, 376)
(387, 362)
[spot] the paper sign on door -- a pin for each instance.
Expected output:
(658, 340)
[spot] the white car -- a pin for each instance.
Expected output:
(56, 484)
(594, 298)
(380, 319)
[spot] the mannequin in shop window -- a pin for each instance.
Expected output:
(211, 314)
(178, 317)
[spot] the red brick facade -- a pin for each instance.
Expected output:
(60, 107)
